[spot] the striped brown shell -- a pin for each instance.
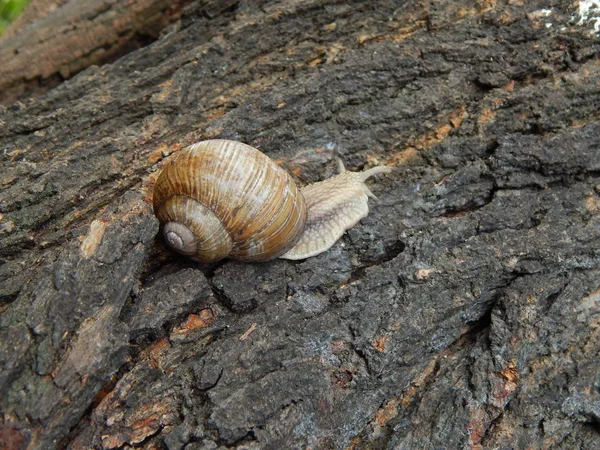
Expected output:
(224, 199)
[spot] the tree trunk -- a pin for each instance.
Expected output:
(461, 313)
(70, 36)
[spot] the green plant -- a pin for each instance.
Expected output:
(9, 10)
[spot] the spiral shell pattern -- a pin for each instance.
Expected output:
(223, 198)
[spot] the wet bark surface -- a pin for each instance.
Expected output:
(463, 312)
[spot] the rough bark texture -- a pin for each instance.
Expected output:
(462, 313)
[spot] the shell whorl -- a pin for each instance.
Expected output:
(193, 230)
(233, 199)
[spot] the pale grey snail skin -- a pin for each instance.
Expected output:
(224, 199)
(334, 206)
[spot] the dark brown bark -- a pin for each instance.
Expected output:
(462, 313)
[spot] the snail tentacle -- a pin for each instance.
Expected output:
(334, 206)
(365, 175)
(340, 164)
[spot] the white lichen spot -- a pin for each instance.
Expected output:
(589, 12)
(539, 14)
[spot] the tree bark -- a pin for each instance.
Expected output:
(70, 36)
(461, 313)
(35, 11)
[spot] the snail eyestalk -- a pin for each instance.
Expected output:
(334, 206)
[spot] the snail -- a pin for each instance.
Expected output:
(225, 199)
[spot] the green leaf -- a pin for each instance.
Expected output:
(9, 10)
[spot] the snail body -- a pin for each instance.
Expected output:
(224, 199)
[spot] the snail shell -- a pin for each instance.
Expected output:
(222, 198)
